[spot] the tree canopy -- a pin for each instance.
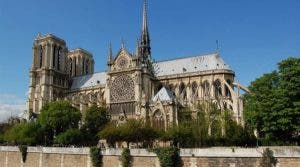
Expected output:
(273, 105)
(60, 116)
(94, 121)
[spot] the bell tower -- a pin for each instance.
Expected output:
(48, 74)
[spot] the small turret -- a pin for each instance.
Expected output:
(110, 56)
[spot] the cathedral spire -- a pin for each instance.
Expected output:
(145, 37)
(145, 32)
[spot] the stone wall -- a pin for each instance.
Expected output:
(209, 157)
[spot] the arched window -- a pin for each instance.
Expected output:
(158, 120)
(87, 67)
(182, 90)
(59, 52)
(75, 65)
(71, 66)
(54, 56)
(194, 89)
(82, 66)
(206, 88)
(218, 88)
(41, 55)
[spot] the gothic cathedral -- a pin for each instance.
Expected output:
(133, 86)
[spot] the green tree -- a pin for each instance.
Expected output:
(131, 131)
(272, 106)
(70, 137)
(57, 117)
(111, 134)
(25, 133)
(3, 128)
(94, 121)
(135, 131)
(200, 128)
(181, 135)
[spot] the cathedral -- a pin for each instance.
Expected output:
(133, 86)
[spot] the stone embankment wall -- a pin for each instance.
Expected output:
(209, 157)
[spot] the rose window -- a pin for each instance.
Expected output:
(122, 89)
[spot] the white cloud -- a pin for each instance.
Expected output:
(7, 110)
(10, 105)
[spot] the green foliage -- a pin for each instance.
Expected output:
(3, 128)
(57, 117)
(25, 133)
(168, 157)
(131, 131)
(111, 134)
(126, 159)
(273, 106)
(70, 137)
(199, 127)
(268, 159)
(209, 126)
(96, 156)
(60, 116)
(23, 150)
(181, 135)
(94, 121)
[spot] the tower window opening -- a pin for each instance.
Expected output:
(87, 67)
(58, 58)
(54, 56)
(83, 62)
(71, 66)
(41, 56)
(75, 65)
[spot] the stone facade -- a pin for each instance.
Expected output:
(209, 157)
(133, 86)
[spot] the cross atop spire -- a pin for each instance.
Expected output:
(122, 43)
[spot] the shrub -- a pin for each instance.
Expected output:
(69, 137)
(126, 158)
(23, 150)
(96, 156)
(268, 160)
(168, 157)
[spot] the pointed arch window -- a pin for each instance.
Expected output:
(59, 52)
(194, 89)
(83, 62)
(158, 120)
(71, 66)
(87, 67)
(206, 89)
(41, 55)
(182, 91)
(54, 56)
(218, 88)
(75, 65)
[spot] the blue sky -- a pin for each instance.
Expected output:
(253, 34)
